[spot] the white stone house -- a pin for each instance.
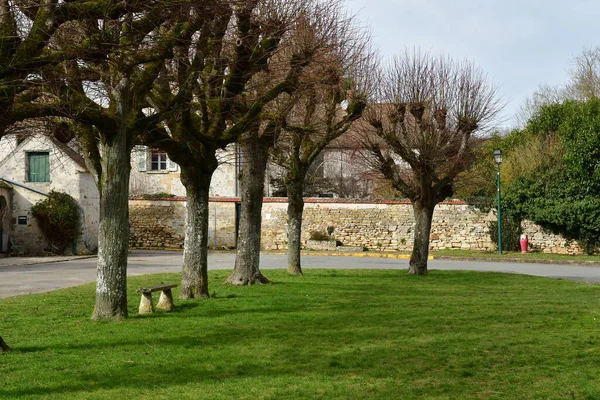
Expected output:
(153, 172)
(29, 169)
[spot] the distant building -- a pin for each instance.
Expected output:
(153, 172)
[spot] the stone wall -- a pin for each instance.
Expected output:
(382, 226)
(161, 223)
(375, 225)
(156, 223)
(541, 240)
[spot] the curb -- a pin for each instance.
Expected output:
(521, 260)
(585, 263)
(364, 255)
(41, 260)
(401, 256)
(303, 252)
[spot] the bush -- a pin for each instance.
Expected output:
(59, 218)
(511, 233)
(318, 235)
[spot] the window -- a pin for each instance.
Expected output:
(38, 166)
(153, 160)
(158, 161)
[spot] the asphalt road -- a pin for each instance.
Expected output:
(24, 279)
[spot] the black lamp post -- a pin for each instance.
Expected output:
(498, 161)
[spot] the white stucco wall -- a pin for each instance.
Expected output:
(7, 145)
(6, 195)
(89, 200)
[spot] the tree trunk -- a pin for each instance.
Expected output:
(194, 279)
(418, 259)
(294, 212)
(3, 345)
(113, 236)
(252, 183)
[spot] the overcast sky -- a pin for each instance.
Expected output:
(520, 44)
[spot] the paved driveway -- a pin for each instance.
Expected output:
(17, 278)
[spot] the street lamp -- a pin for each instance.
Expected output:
(498, 161)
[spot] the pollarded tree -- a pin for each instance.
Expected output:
(332, 95)
(221, 75)
(101, 96)
(420, 135)
(26, 28)
(330, 35)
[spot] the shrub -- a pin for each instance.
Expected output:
(511, 233)
(318, 235)
(59, 218)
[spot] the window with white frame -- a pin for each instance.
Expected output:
(158, 160)
(153, 160)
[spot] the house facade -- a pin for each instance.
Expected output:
(29, 169)
(152, 172)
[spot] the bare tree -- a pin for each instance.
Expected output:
(226, 76)
(254, 147)
(333, 94)
(26, 29)
(100, 94)
(584, 81)
(89, 62)
(325, 31)
(544, 94)
(583, 84)
(420, 134)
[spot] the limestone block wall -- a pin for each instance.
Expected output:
(541, 240)
(376, 225)
(157, 223)
(161, 223)
(379, 225)
(221, 224)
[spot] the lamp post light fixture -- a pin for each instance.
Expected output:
(498, 161)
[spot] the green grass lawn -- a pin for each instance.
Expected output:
(368, 334)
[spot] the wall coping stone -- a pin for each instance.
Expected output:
(318, 200)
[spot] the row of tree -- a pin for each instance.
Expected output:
(285, 77)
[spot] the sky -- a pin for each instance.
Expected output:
(519, 44)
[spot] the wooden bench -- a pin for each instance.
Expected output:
(165, 302)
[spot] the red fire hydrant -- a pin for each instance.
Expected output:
(524, 242)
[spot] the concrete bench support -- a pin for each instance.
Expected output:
(165, 302)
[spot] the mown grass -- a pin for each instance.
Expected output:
(333, 334)
(516, 254)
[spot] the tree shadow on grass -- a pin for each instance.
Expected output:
(179, 361)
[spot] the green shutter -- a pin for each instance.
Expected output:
(39, 167)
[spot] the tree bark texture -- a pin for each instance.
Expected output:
(423, 217)
(252, 183)
(194, 279)
(3, 345)
(113, 236)
(294, 213)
